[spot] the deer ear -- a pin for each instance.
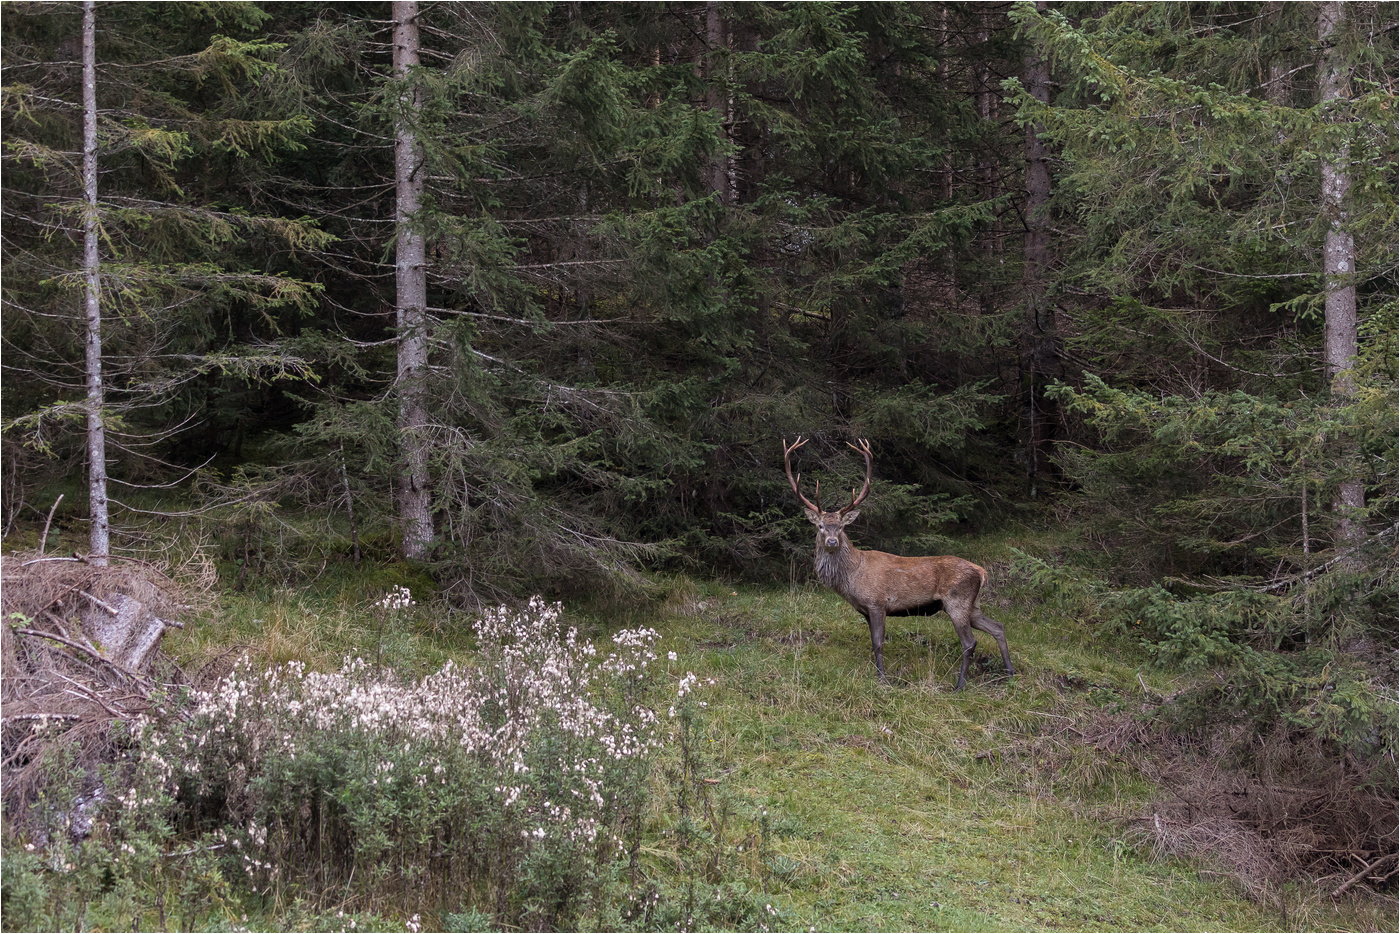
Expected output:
(850, 517)
(813, 515)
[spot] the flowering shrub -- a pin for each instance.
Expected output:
(517, 794)
(512, 786)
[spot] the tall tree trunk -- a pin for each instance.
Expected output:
(1041, 332)
(99, 545)
(945, 177)
(986, 106)
(718, 97)
(411, 295)
(987, 161)
(1338, 259)
(746, 131)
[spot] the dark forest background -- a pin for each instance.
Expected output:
(1080, 266)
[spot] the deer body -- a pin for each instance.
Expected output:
(878, 584)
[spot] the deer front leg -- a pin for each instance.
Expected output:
(876, 618)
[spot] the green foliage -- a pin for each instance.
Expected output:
(506, 789)
(1219, 479)
(1212, 450)
(1203, 506)
(197, 285)
(1164, 167)
(812, 789)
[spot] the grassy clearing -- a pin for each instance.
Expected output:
(912, 807)
(858, 806)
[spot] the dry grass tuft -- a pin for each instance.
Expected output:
(1261, 811)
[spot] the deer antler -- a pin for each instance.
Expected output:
(857, 498)
(787, 464)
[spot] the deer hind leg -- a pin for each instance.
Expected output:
(876, 618)
(995, 629)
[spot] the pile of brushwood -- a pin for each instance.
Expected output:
(81, 650)
(1260, 809)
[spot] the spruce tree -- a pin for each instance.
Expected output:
(1338, 253)
(1212, 328)
(410, 288)
(156, 171)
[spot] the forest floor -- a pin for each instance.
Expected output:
(905, 806)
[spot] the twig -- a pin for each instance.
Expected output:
(125, 672)
(88, 695)
(114, 714)
(42, 716)
(43, 539)
(1341, 890)
(350, 506)
(102, 603)
(193, 850)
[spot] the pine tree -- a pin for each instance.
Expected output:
(1213, 327)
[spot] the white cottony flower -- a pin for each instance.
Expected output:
(537, 677)
(397, 599)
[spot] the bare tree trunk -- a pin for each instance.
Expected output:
(718, 98)
(411, 297)
(745, 130)
(945, 189)
(986, 104)
(1040, 312)
(945, 45)
(1280, 87)
(987, 161)
(99, 544)
(1338, 260)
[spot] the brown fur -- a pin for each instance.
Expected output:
(879, 584)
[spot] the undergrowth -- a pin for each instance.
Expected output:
(724, 760)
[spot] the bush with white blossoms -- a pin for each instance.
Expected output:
(512, 785)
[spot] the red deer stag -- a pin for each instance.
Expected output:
(880, 585)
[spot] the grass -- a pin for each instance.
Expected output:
(862, 806)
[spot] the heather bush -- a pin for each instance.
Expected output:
(509, 788)
(539, 790)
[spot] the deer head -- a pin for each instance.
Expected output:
(831, 534)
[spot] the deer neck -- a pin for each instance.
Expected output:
(835, 569)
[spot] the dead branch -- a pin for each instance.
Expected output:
(43, 539)
(42, 717)
(91, 653)
(1341, 890)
